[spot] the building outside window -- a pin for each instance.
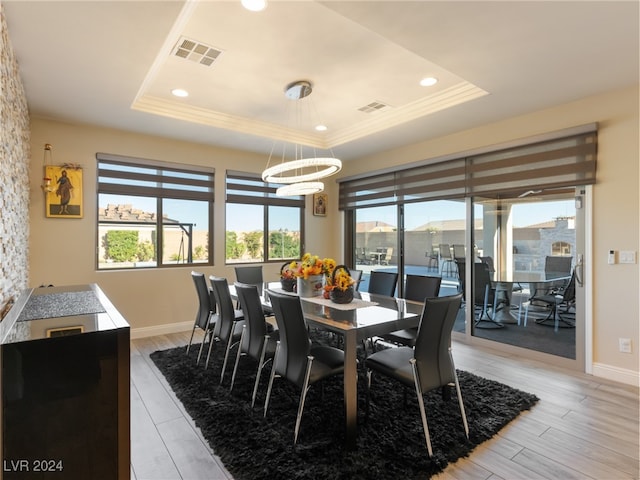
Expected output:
(153, 214)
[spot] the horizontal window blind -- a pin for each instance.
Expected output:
(549, 164)
(544, 165)
(140, 177)
(249, 188)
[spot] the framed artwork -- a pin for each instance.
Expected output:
(320, 204)
(64, 192)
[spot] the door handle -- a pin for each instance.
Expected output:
(580, 270)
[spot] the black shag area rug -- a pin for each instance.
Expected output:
(391, 442)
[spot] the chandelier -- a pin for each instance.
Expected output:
(301, 174)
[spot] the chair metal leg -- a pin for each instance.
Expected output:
(366, 412)
(423, 414)
(526, 312)
(211, 342)
(271, 377)
(204, 340)
(461, 404)
(485, 311)
(303, 397)
(191, 339)
(261, 364)
(230, 345)
(238, 355)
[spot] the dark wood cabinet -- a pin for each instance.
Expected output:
(65, 366)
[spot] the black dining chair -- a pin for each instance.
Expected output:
(230, 320)
(417, 288)
(250, 275)
(383, 283)
(554, 301)
(206, 316)
(296, 359)
(484, 298)
(446, 259)
(380, 283)
(427, 366)
(256, 341)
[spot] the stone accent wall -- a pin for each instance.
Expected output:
(14, 174)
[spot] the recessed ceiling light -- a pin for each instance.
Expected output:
(179, 92)
(321, 128)
(254, 5)
(428, 81)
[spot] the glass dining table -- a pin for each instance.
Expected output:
(365, 317)
(505, 288)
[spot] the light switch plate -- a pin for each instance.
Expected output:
(627, 256)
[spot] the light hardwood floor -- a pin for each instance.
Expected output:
(583, 427)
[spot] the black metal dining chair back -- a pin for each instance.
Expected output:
(230, 320)
(432, 351)
(205, 316)
(256, 327)
(557, 267)
(251, 275)
(255, 341)
(295, 344)
(204, 301)
(429, 364)
(419, 287)
(483, 291)
(484, 297)
(295, 358)
(383, 283)
(225, 307)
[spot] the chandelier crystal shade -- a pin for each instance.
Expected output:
(301, 172)
(301, 188)
(296, 169)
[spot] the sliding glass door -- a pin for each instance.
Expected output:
(428, 234)
(376, 242)
(531, 246)
(517, 264)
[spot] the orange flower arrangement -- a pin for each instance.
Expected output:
(308, 266)
(341, 280)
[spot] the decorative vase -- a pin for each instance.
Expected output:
(341, 296)
(288, 284)
(337, 295)
(310, 287)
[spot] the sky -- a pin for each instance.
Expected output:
(417, 214)
(243, 217)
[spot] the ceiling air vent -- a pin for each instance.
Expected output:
(374, 107)
(196, 52)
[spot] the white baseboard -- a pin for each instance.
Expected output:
(143, 332)
(621, 375)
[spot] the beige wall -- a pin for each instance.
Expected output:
(62, 251)
(616, 206)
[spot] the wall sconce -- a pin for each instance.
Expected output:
(47, 160)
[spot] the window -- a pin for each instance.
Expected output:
(153, 214)
(561, 249)
(261, 226)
